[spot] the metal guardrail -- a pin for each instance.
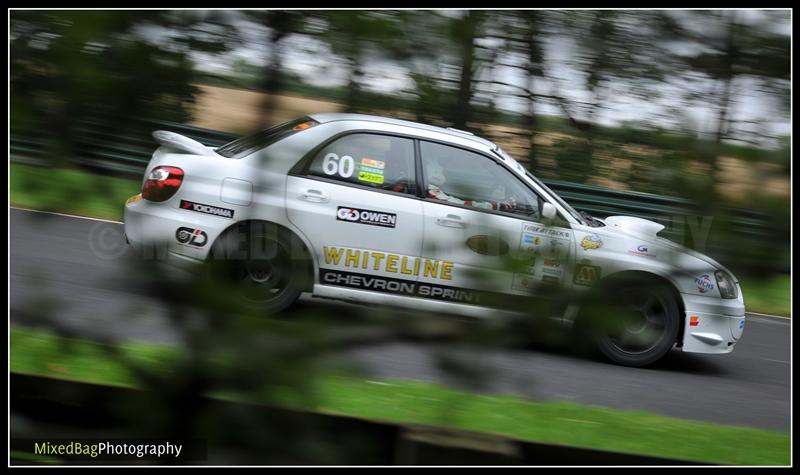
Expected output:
(102, 146)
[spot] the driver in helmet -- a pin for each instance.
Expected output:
(436, 179)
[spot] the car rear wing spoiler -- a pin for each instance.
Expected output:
(182, 144)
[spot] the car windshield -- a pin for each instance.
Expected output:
(575, 214)
(251, 143)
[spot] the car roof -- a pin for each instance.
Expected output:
(459, 134)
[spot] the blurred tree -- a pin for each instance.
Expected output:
(359, 36)
(730, 50)
(424, 43)
(464, 32)
(280, 24)
(524, 35)
(614, 48)
(73, 68)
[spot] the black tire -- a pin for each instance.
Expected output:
(638, 323)
(265, 265)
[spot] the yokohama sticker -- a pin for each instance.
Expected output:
(365, 216)
(206, 209)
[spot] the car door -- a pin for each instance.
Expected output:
(355, 201)
(484, 221)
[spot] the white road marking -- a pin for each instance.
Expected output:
(775, 361)
(66, 215)
(768, 315)
(769, 320)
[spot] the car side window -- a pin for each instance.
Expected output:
(457, 176)
(376, 161)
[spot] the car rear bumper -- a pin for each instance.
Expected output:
(152, 230)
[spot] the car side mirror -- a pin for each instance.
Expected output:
(548, 212)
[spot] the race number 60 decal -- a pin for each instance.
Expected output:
(333, 165)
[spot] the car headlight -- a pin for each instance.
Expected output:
(727, 287)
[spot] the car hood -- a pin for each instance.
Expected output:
(648, 230)
(637, 227)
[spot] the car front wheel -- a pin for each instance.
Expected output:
(640, 324)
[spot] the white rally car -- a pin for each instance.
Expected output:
(383, 211)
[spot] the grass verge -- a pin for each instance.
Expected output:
(70, 191)
(42, 353)
(772, 295)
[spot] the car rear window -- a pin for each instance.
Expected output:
(246, 145)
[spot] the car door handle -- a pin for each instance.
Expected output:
(313, 195)
(451, 221)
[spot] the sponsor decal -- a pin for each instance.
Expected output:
(192, 237)
(526, 263)
(398, 286)
(366, 216)
(586, 274)
(133, 199)
(386, 262)
(370, 177)
(371, 171)
(557, 247)
(551, 267)
(368, 162)
(544, 240)
(694, 320)
(206, 209)
(741, 324)
(704, 283)
(544, 230)
(487, 245)
(591, 241)
(522, 282)
(641, 250)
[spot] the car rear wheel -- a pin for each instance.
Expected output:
(263, 263)
(640, 324)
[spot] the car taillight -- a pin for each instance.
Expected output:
(162, 183)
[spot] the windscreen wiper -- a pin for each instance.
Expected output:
(593, 222)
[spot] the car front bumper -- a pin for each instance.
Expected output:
(712, 325)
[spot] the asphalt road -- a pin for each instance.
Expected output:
(73, 269)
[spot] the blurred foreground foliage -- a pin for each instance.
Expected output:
(70, 68)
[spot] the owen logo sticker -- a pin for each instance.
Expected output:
(366, 216)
